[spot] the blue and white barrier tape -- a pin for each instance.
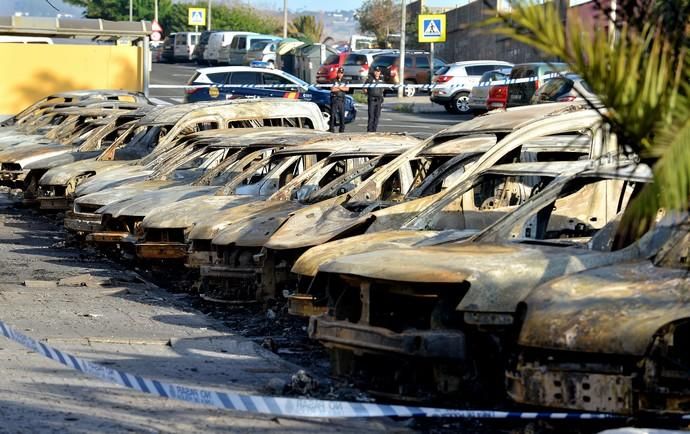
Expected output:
(360, 85)
(276, 406)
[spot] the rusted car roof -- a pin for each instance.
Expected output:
(244, 136)
(355, 144)
(251, 108)
(512, 118)
(476, 144)
(101, 108)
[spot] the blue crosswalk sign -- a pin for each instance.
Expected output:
(432, 28)
(196, 17)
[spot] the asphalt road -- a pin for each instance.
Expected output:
(418, 124)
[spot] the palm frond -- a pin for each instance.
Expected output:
(643, 80)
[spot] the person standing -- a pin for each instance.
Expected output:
(374, 99)
(338, 89)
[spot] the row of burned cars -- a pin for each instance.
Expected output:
(482, 264)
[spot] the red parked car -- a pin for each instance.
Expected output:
(327, 71)
(498, 97)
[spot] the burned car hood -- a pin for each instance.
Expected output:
(309, 262)
(61, 160)
(614, 310)
(239, 208)
(61, 175)
(22, 140)
(316, 224)
(185, 213)
(329, 220)
(24, 155)
(121, 176)
(254, 228)
(143, 203)
(499, 275)
(118, 194)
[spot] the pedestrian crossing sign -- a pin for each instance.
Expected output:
(196, 16)
(432, 28)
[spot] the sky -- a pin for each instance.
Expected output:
(41, 7)
(296, 5)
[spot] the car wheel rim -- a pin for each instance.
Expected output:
(463, 104)
(409, 91)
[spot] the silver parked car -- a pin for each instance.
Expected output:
(262, 51)
(357, 63)
(480, 92)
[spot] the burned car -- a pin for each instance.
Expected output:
(91, 128)
(561, 137)
(443, 318)
(199, 168)
(614, 339)
(447, 155)
(295, 172)
(49, 102)
(358, 159)
(99, 134)
(157, 131)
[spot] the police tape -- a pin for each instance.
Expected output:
(275, 406)
(431, 86)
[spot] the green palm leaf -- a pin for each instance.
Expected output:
(639, 77)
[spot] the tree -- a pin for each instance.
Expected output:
(642, 77)
(306, 28)
(380, 17)
(173, 16)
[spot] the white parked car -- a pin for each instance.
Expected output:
(184, 45)
(218, 41)
(454, 82)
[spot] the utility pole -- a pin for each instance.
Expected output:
(208, 27)
(401, 67)
(284, 19)
(155, 10)
(130, 10)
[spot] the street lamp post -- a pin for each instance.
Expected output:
(130, 11)
(208, 27)
(284, 19)
(401, 68)
(155, 10)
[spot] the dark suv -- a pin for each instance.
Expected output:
(201, 47)
(529, 77)
(416, 68)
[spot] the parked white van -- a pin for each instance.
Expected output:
(184, 45)
(219, 41)
(237, 51)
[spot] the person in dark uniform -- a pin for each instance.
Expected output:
(338, 89)
(374, 100)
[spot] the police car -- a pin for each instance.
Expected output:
(287, 86)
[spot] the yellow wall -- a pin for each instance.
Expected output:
(29, 72)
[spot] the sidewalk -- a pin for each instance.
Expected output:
(89, 307)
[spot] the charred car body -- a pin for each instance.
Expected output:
(223, 164)
(156, 131)
(611, 339)
(447, 315)
(316, 172)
